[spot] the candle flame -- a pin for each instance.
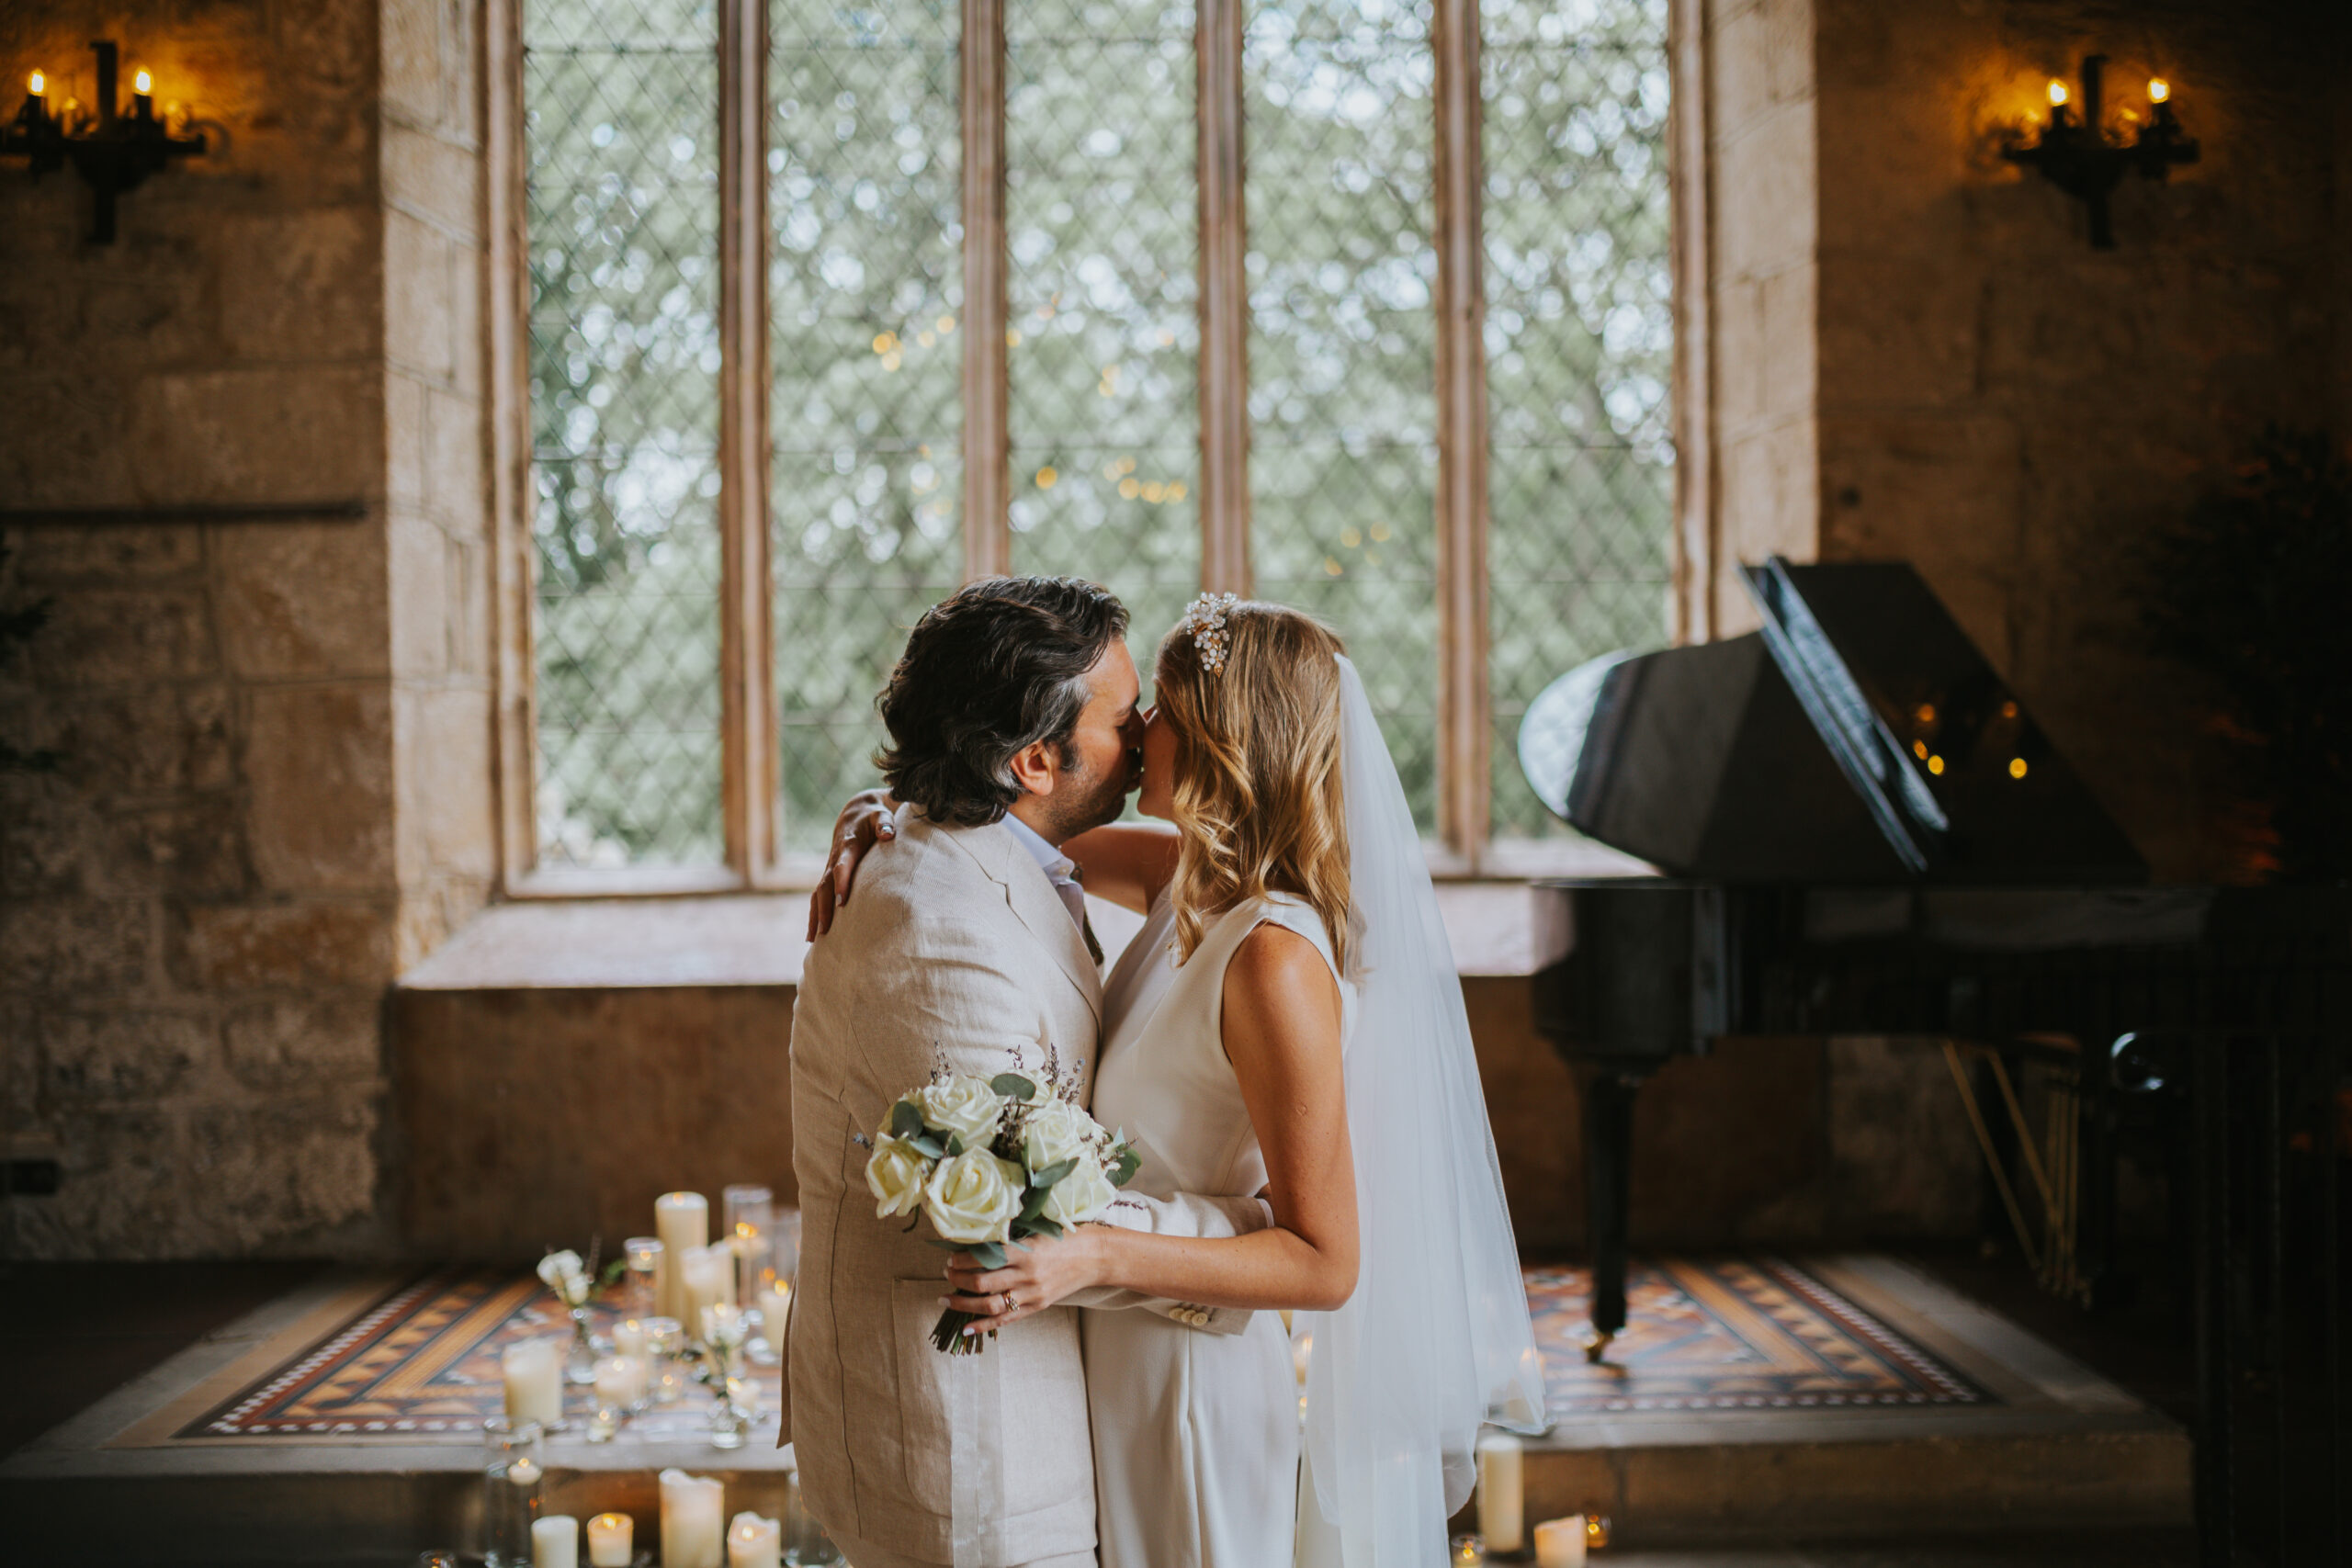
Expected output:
(143, 82)
(37, 83)
(2016, 767)
(1935, 764)
(2058, 94)
(2158, 89)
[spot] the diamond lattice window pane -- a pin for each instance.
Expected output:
(1343, 344)
(1103, 328)
(620, 115)
(866, 336)
(1579, 347)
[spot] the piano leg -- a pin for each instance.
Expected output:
(1608, 1187)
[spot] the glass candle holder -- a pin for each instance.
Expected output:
(644, 1256)
(665, 1338)
(512, 1469)
(806, 1544)
(749, 1220)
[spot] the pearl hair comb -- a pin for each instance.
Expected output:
(1206, 616)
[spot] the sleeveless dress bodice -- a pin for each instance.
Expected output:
(1195, 1435)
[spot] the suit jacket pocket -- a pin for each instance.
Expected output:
(926, 1436)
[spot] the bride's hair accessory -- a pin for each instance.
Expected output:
(1205, 619)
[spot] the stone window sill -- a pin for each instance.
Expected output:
(1497, 927)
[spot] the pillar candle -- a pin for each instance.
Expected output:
(1501, 1502)
(754, 1542)
(534, 1375)
(693, 1527)
(620, 1379)
(611, 1540)
(682, 1220)
(628, 1337)
(555, 1541)
(708, 1275)
(1559, 1543)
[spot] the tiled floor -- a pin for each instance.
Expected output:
(2108, 1548)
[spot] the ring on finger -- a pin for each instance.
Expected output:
(1009, 1304)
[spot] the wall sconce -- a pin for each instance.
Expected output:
(2076, 155)
(113, 153)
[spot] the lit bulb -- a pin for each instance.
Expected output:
(1935, 765)
(2058, 94)
(2158, 89)
(142, 83)
(2016, 767)
(37, 84)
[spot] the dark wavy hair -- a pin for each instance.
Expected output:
(999, 665)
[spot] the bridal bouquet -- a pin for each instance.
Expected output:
(990, 1162)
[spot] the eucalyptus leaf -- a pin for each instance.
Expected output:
(1012, 1085)
(1044, 1226)
(927, 1147)
(906, 1121)
(955, 1145)
(987, 1255)
(1040, 1181)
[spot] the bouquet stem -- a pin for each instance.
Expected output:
(947, 1335)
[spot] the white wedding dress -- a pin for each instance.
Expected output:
(1197, 1460)
(1195, 1435)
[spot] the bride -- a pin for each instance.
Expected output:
(1288, 1023)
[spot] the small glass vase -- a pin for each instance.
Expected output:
(579, 1361)
(512, 1472)
(729, 1420)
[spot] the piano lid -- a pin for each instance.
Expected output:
(1858, 737)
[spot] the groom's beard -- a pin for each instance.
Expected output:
(1081, 805)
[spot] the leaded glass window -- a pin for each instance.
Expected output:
(763, 429)
(621, 176)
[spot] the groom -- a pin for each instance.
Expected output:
(1012, 727)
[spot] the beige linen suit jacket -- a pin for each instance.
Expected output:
(955, 949)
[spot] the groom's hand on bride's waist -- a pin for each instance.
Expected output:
(1039, 1273)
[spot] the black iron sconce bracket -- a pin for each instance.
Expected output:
(2076, 155)
(113, 153)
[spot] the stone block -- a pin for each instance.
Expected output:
(77, 944)
(1902, 1159)
(191, 847)
(283, 1172)
(304, 599)
(120, 1059)
(1768, 192)
(242, 946)
(51, 839)
(1942, 492)
(1769, 489)
(421, 598)
(434, 176)
(1904, 334)
(302, 1043)
(405, 440)
(414, 42)
(299, 285)
(420, 320)
(1791, 369)
(148, 740)
(318, 762)
(1741, 371)
(450, 776)
(98, 636)
(107, 554)
(283, 433)
(1789, 28)
(63, 438)
(1740, 71)
(1732, 1147)
(457, 485)
(124, 1189)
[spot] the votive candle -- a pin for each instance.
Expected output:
(754, 1542)
(611, 1540)
(1502, 1516)
(681, 1221)
(628, 1337)
(555, 1541)
(534, 1375)
(693, 1521)
(1559, 1543)
(709, 1276)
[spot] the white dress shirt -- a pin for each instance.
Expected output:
(1060, 869)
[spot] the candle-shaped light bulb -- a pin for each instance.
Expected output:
(142, 83)
(2158, 89)
(37, 83)
(2058, 94)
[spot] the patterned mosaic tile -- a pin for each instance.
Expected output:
(423, 1363)
(1730, 1333)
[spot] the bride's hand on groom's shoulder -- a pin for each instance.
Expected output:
(1039, 1272)
(864, 821)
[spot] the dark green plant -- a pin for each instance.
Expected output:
(2254, 590)
(18, 624)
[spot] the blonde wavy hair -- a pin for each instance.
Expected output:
(1257, 792)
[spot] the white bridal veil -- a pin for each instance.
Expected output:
(1436, 1338)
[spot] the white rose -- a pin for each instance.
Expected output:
(974, 1197)
(1056, 1131)
(895, 1176)
(1084, 1194)
(964, 1105)
(566, 1276)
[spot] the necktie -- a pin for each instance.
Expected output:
(1073, 898)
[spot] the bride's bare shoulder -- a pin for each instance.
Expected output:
(1276, 975)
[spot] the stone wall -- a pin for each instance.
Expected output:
(2013, 410)
(201, 909)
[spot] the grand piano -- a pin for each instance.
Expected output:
(1861, 829)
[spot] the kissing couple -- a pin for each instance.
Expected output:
(1284, 1044)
